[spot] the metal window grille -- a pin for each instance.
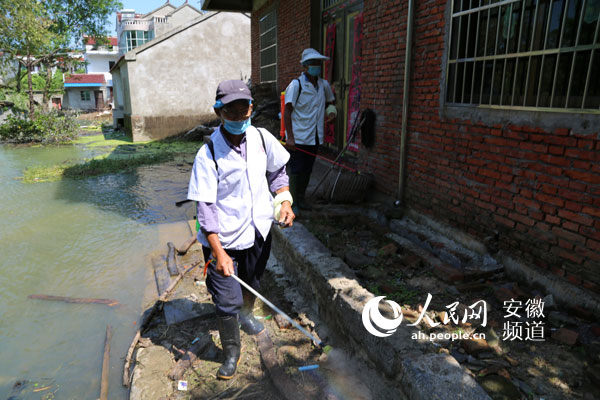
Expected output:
(330, 3)
(525, 54)
(85, 95)
(268, 47)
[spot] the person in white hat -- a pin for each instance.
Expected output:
(307, 100)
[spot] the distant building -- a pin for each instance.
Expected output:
(134, 30)
(92, 90)
(167, 85)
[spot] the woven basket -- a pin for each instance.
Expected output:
(342, 186)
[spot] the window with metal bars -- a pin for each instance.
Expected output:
(329, 3)
(525, 54)
(268, 47)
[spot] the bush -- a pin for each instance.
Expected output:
(47, 128)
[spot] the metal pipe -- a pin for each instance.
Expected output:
(407, 64)
(277, 310)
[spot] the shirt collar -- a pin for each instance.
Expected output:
(229, 143)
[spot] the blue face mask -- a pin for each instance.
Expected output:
(314, 70)
(236, 127)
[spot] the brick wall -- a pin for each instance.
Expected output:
(293, 36)
(537, 190)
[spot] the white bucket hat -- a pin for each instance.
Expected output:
(312, 54)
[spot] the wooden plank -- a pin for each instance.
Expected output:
(287, 389)
(161, 275)
(105, 365)
(189, 357)
(172, 260)
(108, 302)
(146, 321)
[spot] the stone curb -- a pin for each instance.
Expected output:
(333, 288)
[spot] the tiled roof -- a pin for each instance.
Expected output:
(91, 41)
(85, 78)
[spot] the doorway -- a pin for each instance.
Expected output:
(99, 99)
(342, 23)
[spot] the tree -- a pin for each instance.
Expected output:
(24, 33)
(42, 32)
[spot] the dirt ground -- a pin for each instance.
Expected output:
(252, 380)
(566, 364)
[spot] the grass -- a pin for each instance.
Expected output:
(121, 155)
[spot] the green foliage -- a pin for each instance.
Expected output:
(43, 31)
(20, 100)
(39, 81)
(47, 128)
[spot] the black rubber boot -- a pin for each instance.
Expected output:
(229, 331)
(249, 324)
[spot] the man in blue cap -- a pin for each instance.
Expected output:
(232, 180)
(307, 100)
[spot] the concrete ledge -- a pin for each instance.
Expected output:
(449, 379)
(339, 300)
(562, 290)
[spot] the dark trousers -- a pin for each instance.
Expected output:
(249, 265)
(301, 162)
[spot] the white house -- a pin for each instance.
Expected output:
(167, 85)
(133, 30)
(94, 89)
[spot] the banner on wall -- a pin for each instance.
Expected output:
(329, 52)
(354, 91)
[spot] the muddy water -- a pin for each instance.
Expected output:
(84, 238)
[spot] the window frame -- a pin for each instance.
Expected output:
(452, 57)
(85, 95)
(261, 49)
(134, 36)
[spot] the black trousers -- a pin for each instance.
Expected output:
(249, 265)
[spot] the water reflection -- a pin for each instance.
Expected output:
(77, 238)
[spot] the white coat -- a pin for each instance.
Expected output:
(239, 188)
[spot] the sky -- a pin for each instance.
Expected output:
(144, 6)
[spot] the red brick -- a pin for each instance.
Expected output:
(565, 336)
(521, 218)
(571, 226)
(575, 279)
(573, 237)
(583, 176)
(567, 255)
(448, 273)
(571, 216)
(550, 199)
(595, 211)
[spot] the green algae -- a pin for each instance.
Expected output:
(119, 154)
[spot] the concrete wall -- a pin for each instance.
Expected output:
(530, 180)
(182, 16)
(72, 98)
(98, 63)
(172, 83)
(118, 113)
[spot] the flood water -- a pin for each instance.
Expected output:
(78, 238)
